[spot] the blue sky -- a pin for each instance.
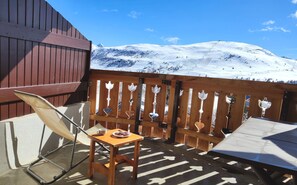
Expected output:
(271, 24)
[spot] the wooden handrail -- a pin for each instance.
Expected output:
(186, 111)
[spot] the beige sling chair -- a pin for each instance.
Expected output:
(54, 120)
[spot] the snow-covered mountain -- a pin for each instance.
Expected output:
(212, 59)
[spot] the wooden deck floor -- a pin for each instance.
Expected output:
(159, 163)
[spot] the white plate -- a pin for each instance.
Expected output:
(117, 134)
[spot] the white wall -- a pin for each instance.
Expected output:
(20, 136)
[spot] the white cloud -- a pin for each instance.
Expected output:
(172, 40)
(271, 29)
(268, 28)
(270, 22)
(294, 1)
(149, 30)
(134, 14)
(294, 15)
(109, 10)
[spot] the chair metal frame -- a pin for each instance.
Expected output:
(70, 142)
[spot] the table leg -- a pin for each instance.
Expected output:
(111, 175)
(91, 159)
(136, 156)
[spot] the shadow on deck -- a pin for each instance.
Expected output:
(159, 163)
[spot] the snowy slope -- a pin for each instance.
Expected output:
(212, 59)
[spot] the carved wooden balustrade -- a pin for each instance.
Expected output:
(172, 112)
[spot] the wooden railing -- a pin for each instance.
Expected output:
(178, 111)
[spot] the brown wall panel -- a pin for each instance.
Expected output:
(38, 47)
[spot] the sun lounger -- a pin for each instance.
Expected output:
(55, 120)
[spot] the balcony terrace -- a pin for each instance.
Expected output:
(181, 117)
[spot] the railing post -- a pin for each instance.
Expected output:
(175, 112)
(138, 106)
(92, 98)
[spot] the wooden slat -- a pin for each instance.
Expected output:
(194, 116)
(54, 25)
(4, 14)
(48, 23)
(206, 118)
(21, 13)
(4, 58)
(12, 73)
(125, 101)
(13, 63)
(199, 135)
(148, 108)
(72, 63)
(6, 94)
(237, 111)
(41, 67)
(171, 104)
(59, 24)
(52, 64)
(36, 14)
(67, 65)
(35, 61)
(114, 78)
(4, 114)
(42, 16)
(274, 111)
(58, 71)
(254, 109)
(75, 65)
(183, 115)
(222, 111)
(20, 109)
(29, 16)
(63, 64)
(92, 97)
(80, 65)
(28, 63)
(161, 100)
(36, 35)
(47, 64)
(112, 119)
(12, 13)
(21, 63)
(102, 98)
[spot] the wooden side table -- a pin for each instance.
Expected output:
(115, 158)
